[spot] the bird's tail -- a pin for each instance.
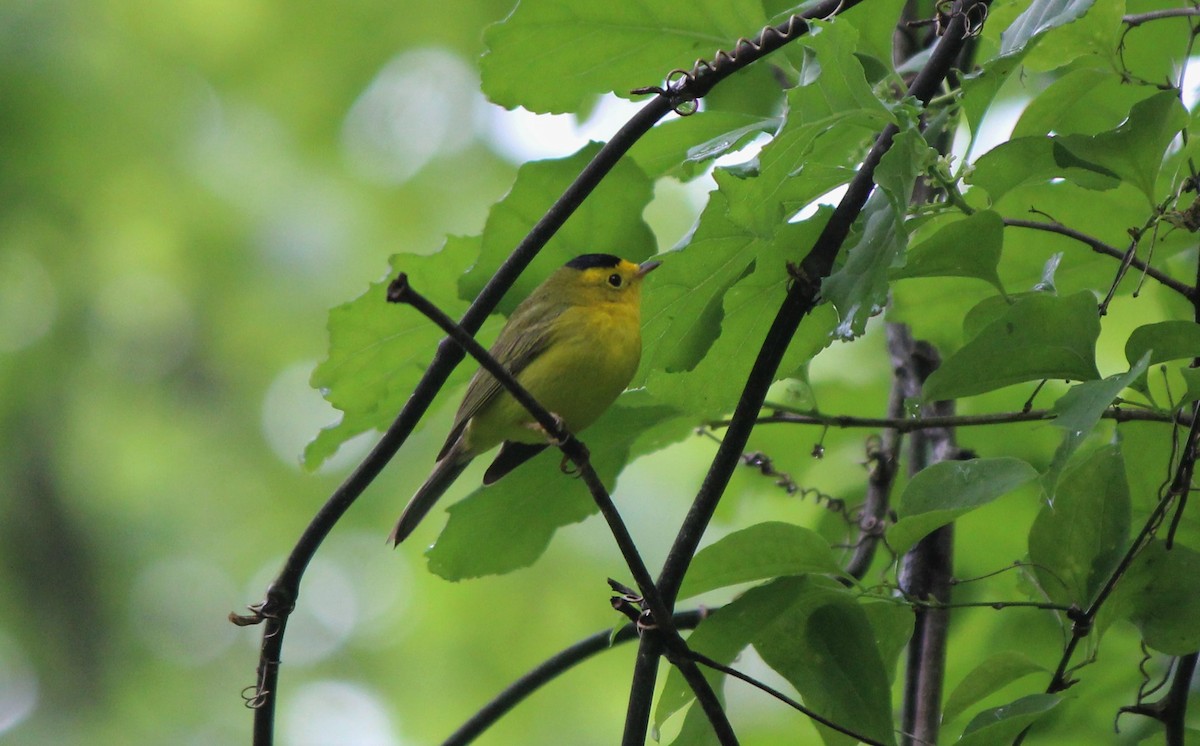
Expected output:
(444, 474)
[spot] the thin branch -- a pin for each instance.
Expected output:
(911, 424)
(550, 669)
(800, 300)
(1134, 20)
(718, 666)
(1101, 247)
(884, 460)
(926, 570)
(400, 291)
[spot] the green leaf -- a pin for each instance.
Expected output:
(859, 289)
(990, 676)
(1084, 101)
(1079, 411)
(811, 631)
(608, 222)
(508, 525)
(764, 550)
(1133, 151)
(1000, 725)
(1035, 160)
(893, 625)
(1040, 17)
(552, 57)
(682, 365)
(378, 350)
(948, 489)
(968, 247)
(680, 147)
(1097, 33)
(1078, 538)
(1040, 336)
(1166, 606)
(1165, 340)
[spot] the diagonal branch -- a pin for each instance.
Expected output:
(551, 668)
(400, 291)
(1101, 247)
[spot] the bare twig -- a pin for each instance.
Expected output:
(552, 667)
(912, 424)
(1134, 20)
(1101, 247)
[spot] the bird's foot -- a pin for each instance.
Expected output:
(551, 438)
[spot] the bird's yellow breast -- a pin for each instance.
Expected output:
(592, 355)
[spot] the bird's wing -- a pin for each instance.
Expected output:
(526, 335)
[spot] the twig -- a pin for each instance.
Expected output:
(718, 666)
(910, 424)
(1101, 247)
(1134, 20)
(550, 669)
(926, 571)
(400, 291)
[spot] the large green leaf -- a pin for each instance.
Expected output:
(1166, 604)
(967, 247)
(948, 489)
(812, 632)
(1131, 153)
(1079, 411)
(378, 351)
(1077, 539)
(608, 222)
(508, 525)
(683, 366)
(1164, 340)
(990, 676)
(1040, 336)
(765, 550)
(681, 147)
(1000, 725)
(552, 57)
(859, 289)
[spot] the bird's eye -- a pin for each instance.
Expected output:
(615, 280)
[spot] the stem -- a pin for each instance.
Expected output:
(550, 669)
(904, 424)
(1101, 247)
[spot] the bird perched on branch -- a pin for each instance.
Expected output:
(574, 344)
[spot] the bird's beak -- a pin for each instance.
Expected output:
(646, 268)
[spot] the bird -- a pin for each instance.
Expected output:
(574, 344)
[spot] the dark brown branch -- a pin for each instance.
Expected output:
(551, 668)
(911, 424)
(926, 570)
(1134, 20)
(400, 291)
(1101, 247)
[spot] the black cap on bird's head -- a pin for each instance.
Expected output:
(588, 261)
